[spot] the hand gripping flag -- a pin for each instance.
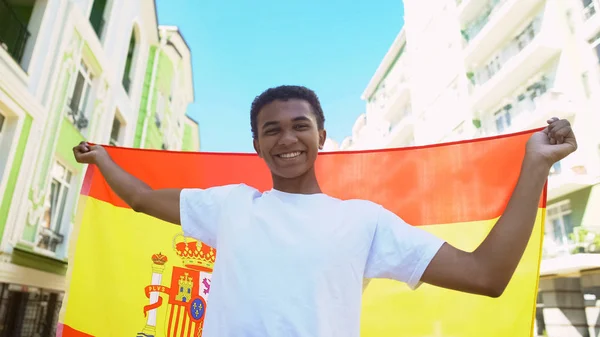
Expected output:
(133, 275)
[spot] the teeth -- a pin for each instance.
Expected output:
(289, 155)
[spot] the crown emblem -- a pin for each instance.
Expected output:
(194, 254)
(159, 259)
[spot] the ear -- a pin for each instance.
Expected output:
(322, 138)
(256, 147)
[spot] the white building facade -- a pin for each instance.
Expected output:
(475, 68)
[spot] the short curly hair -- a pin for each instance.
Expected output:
(284, 93)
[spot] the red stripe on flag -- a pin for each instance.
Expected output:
(442, 183)
(64, 330)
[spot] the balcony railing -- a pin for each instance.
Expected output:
(28, 311)
(514, 47)
(77, 116)
(478, 23)
(50, 240)
(525, 104)
(13, 32)
(579, 240)
(398, 119)
(591, 9)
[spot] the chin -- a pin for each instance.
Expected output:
(290, 173)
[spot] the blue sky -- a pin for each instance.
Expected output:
(240, 48)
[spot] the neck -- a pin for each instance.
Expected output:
(304, 184)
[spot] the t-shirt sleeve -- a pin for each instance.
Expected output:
(201, 210)
(400, 251)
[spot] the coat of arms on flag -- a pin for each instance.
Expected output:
(187, 293)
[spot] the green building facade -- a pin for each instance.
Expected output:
(103, 71)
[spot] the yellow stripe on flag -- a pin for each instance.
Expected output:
(391, 309)
(113, 265)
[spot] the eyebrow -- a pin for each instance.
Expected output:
(300, 118)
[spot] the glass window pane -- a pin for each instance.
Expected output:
(558, 231)
(77, 93)
(568, 223)
(58, 171)
(63, 202)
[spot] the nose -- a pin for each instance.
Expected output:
(287, 138)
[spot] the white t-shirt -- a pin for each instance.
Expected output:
(293, 264)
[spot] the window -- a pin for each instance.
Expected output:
(54, 213)
(559, 223)
(2, 119)
(527, 35)
(160, 109)
(174, 81)
(14, 28)
(3, 151)
(597, 48)
(97, 16)
(503, 120)
(115, 132)
(78, 102)
(589, 9)
(127, 73)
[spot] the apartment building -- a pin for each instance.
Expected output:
(73, 70)
(476, 68)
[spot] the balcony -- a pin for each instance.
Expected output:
(401, 128)
(513, 65)
(570, 252)
(591, 19)
(392, 95)
(532, 109)
(13, 30)
(571, 179)
(569, 259)
(49, 240)
(497, 20)
(468, 9)
(399, 95)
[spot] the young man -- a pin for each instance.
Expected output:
(291, 260)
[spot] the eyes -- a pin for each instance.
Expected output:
(271, 131)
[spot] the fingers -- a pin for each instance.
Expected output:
(84, 157)
(558, 130)
(561, 133)
(83, 147)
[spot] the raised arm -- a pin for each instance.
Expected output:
(162, 204)
(488, 269)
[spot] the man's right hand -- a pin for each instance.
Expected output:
(89, 154)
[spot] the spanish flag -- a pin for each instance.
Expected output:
(133, 275)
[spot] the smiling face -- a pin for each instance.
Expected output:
(288, 138)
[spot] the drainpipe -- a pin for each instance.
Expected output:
(163, 42)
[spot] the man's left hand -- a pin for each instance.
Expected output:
(553, 143)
